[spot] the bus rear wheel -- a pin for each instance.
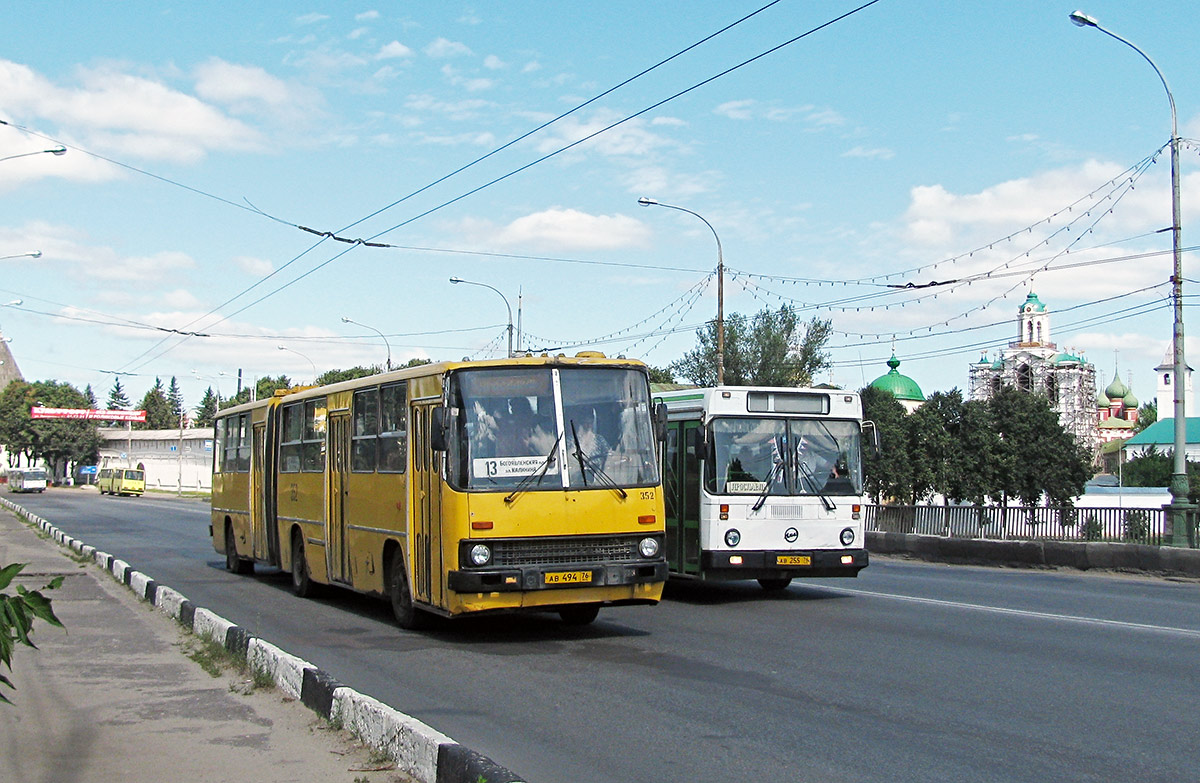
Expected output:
(579, 614)
(302, 584)
(233, 563)
(775, 585)
(407, 615)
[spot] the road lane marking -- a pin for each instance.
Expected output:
(1188, 632)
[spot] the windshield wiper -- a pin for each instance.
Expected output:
(776, 471)
(812, 482)
(538, 474)
(586, 462)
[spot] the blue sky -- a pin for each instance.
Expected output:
(910, 142)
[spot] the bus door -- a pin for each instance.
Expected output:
(338, 455)
(681, 495)
(258, 515)
(425, 547)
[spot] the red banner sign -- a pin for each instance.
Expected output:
(38, 412)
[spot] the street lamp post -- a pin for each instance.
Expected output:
(506, 305)
(647, 202)
(26, 254)
(59, 150)
(302, 356)
(1180, 508)
(346, 320)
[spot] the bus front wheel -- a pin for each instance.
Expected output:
(408, 616)
(579, 614)
(302, 584)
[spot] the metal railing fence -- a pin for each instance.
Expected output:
(1059, 523)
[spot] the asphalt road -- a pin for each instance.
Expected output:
(912, 672)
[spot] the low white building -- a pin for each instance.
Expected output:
(173, 459)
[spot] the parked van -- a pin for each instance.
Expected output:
(27, 480)
(121, 481)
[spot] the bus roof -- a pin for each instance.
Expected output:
(759, 400)
(583, 359)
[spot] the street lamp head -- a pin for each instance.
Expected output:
(59, 150)
(14, 303)
(1080, 19)
(456, 280)
(346, 320)
(646, 202)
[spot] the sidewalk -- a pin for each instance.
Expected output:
(115, 696)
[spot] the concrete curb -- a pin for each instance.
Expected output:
(1082, 555)
(418, 750)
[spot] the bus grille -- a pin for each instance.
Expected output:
(561, 551)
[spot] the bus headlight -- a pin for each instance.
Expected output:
(648, 547)
(732, 537)
(481, 554)
(847, 536)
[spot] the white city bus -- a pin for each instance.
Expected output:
(763, 483)
(27, 480)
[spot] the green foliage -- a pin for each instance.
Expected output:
(264, 388)
(159, 415)
(17, 613)
(1147, 415)
(206, 411)
(337, 376)
(1011, 446)
(772, 349)
(58, 442)
(1092, 529)
(661, 375)
(1137, 525)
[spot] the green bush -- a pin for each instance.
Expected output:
(1137, 526)
(1092, 529)
(17, 613)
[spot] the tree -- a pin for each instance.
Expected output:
(264, 388)
(17, 613)
(59, 442)
(885, 471)
(206, 411)
(159, 415)
(1147, 415)
(337, 376)
(117, 399)
(774, 349)
(661, 374)
(175, 400)
(1037, 455)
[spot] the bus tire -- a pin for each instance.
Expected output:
(233, 563)
(775, 585)
(302, 584)
(579, 614)
(407, 615)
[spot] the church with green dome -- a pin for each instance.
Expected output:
(1034, 363)
(904, 389)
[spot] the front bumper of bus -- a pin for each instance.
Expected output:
(784, 564)
(517, 565)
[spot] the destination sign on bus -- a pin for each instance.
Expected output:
(507, 467)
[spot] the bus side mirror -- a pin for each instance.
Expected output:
(660, 421)
(437, 428)
(870, 425)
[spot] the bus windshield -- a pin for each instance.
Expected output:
(756, 456)
(540, 428)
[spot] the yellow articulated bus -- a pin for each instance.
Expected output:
(121, 481)
(453, 488)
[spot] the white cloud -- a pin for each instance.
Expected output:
(366, 16)
(122, 113)
(629, 138)
(736, 110)
(877, 153)
(570, 229)
(257, 267)
(312, 18)
(443, 47)
(393, 50)
(493, 63)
